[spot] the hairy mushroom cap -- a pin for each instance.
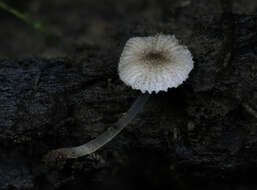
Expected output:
(154, 63)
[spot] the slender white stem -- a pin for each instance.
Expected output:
(101, 140)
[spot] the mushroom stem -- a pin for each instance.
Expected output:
(101, 140)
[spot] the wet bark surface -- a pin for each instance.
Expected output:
(202, 134)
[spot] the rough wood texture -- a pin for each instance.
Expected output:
(205, 129)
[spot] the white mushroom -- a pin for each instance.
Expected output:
(148, 64)
(154, 63)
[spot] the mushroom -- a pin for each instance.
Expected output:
(149, 64)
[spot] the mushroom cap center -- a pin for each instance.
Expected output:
(155, 57)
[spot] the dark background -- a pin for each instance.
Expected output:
(83, 22)
(61, 88)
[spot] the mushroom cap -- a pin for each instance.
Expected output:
(154, 63)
